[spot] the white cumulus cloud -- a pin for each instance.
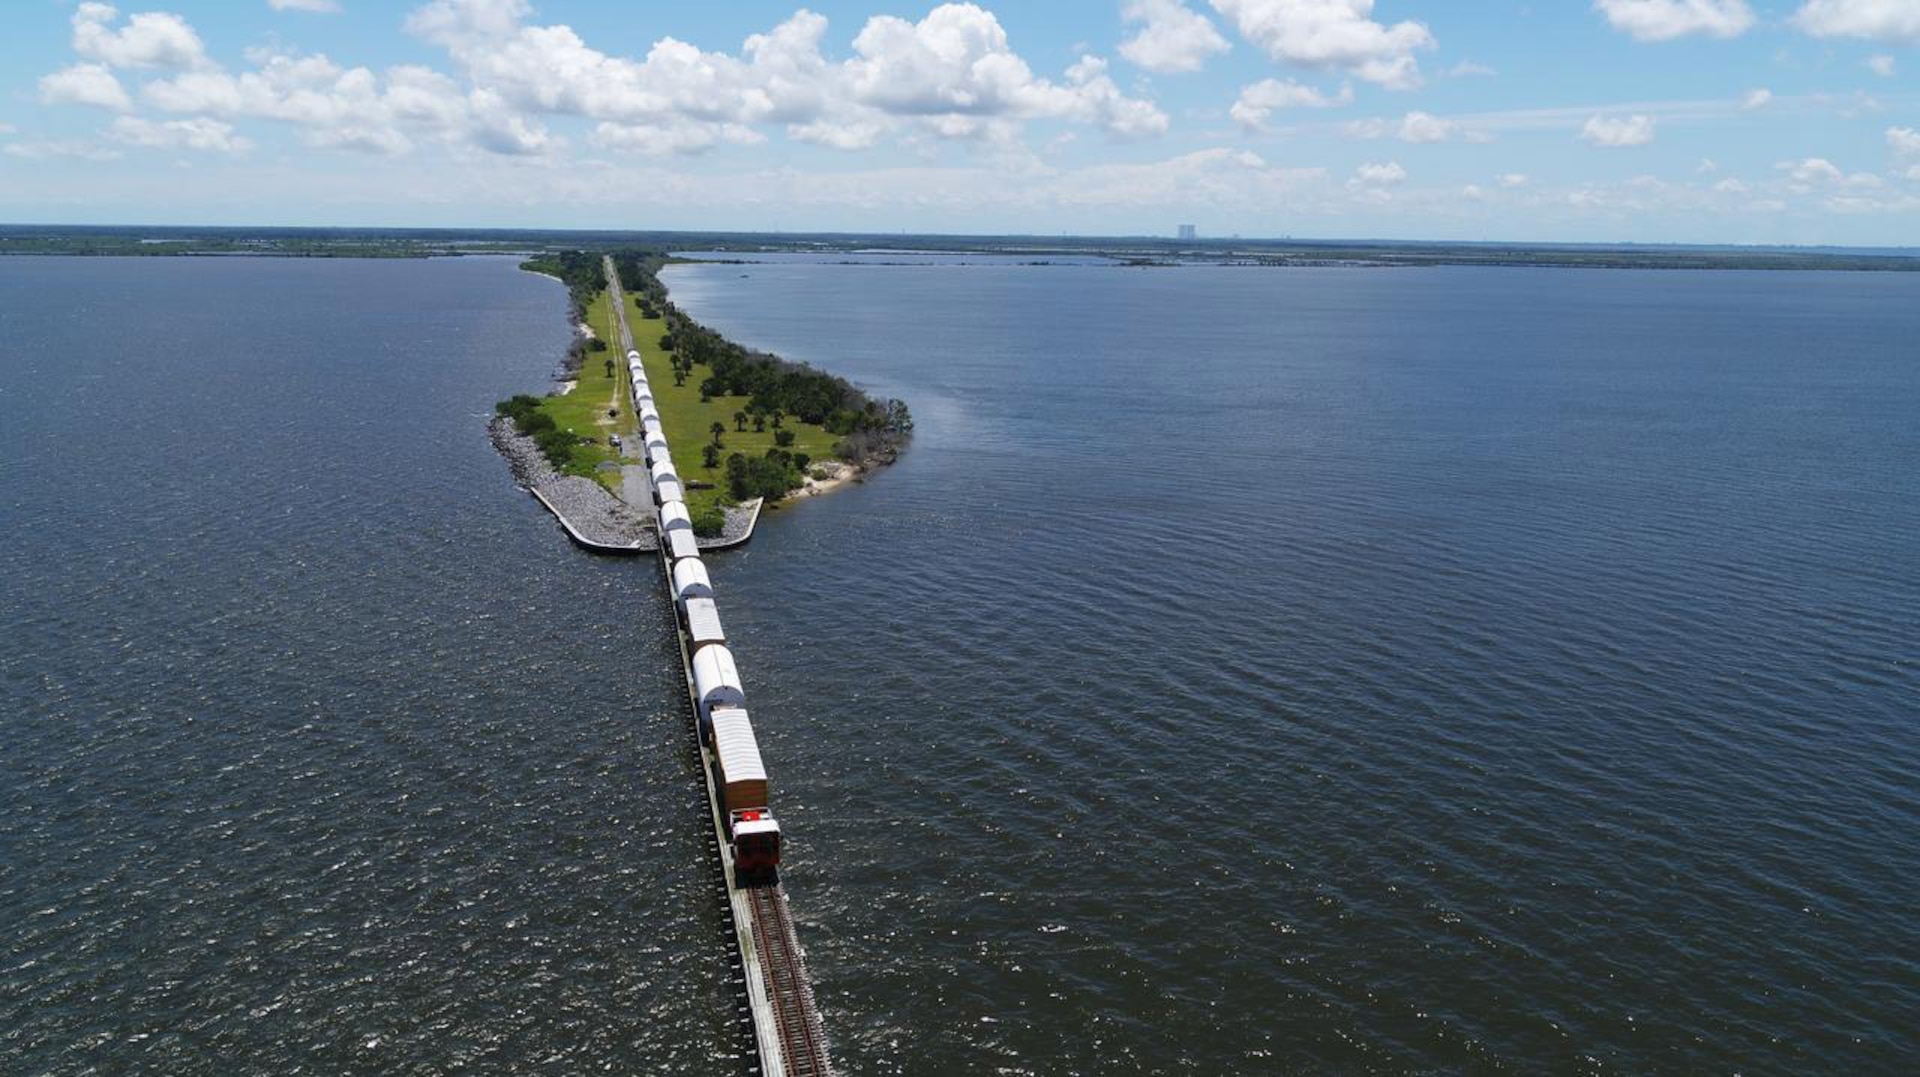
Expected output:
(1882, 65)
(952, 74)
(1262, 99)
(1817, 173)
(1426, 127)
(149, 39)
(1379, 175)
(1756, 98)
(1904, 141)
(1891, 21)
(325, 7)
(84, 84)
(354, 108)
(1613, 132)
(1336, 34)
(1172, 37)
(1664, 20)
(199, 133)
(1513, 180)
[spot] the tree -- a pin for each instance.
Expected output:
(718, 429)
(710, 455)
(709, 521)
(759, 424)
(679, 376)
(609, 368)
(740, 421)
(783, 438)
(778, 417)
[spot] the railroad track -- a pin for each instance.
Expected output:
(803, 1043)
(802, 1047)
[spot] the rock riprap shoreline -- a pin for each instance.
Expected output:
(594, 513)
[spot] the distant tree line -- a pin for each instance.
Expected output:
(578, 270)
(869, 429)
(581, 272)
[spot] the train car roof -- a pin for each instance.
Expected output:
(703, 622)
(734, 743)
(690, 573)
(713, 669)
(681, 543)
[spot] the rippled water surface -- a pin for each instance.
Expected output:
(1352, 670)
(1245, 671)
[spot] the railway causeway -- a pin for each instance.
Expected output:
(789, 1038)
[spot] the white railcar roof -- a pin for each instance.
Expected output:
(734, 743)
(681, 543)
(690, 575)
(662, 464)
(714, 672)
(674, 514)
(703, 621)
(633, 354)
(669, 490)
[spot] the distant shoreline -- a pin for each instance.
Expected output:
(175, 241)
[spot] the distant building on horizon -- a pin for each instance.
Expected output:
(1188, 231)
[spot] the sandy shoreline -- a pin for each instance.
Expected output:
(839, 475)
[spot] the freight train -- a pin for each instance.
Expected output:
(726, 731)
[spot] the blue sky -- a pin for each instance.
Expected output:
(1743, 121)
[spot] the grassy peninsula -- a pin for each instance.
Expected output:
(741, 423)
(574, 425)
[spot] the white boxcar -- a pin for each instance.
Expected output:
(690, 580)
(743, 777)
(633, 356)
(674, 517)
(662, 467)
(654, 430)
(666, 490)
(703, 622)
(682, 544)
(656, 449)
(716, 682)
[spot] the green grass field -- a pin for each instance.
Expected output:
(583, 409)
(689, 423)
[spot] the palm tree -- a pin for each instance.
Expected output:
(718, 428)
(679, 376)
(759, 423)
(778, 417)
(710, 454)
(740, 421)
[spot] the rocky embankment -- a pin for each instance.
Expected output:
(595, 514)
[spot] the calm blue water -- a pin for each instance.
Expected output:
(320, 753)
(1246, 671)
(1348, 670)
